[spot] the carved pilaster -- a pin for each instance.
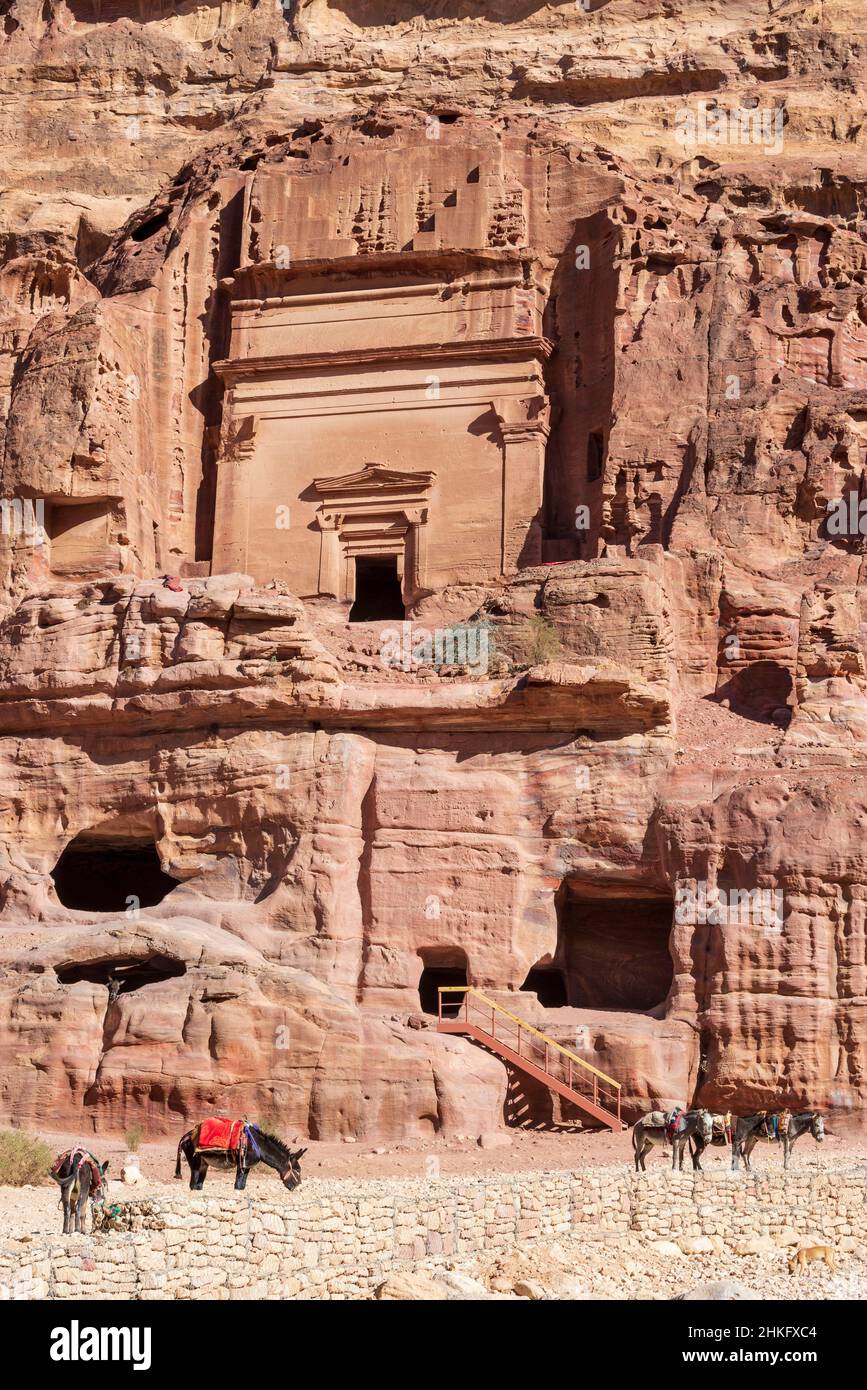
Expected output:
(415, 573)
(330, 580)
(523, 425)
(234, 464)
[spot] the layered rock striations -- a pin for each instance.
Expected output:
(433, 457)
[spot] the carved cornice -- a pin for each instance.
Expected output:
(503, 349)
(250, 280)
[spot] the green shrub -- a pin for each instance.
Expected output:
(23, 1158)
(133, 1138)
(540, 641)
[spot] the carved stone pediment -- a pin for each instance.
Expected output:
(374, 511)
(375, 479)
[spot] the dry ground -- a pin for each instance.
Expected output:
(516, 1150)
(582, 1266)
(34, 1209)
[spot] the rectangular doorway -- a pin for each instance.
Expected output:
(378, 595)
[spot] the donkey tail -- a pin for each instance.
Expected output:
(181, 1142)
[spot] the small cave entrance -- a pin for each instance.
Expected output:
(761, 691)
(121, 975)
(103, 872)
(442, 966)
(378, 596)
(613, 952)
(548, 983)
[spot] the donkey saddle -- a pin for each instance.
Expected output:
(79, 1157)
(218, 1132)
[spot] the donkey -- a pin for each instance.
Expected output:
(751, 1128)
(80, 1176)
(254, 1146)
(644, 1136)
(697, 1124)
(721, 1137)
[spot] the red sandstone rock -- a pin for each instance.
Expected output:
(587, 396)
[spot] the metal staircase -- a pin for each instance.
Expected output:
(475, 1016)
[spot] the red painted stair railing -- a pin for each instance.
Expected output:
(590, 1090)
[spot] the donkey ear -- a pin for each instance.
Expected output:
(300, 1154)
(103, 1167)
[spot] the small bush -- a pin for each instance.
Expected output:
(133, 1138)
(23, 1158)
(540, 641)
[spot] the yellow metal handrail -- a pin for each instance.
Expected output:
(550, 1042)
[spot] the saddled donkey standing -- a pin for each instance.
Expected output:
(695, 1124)
(647, 1132)
(246, 1146)
(780, 1128)
(721, 1131)
(80, 1176)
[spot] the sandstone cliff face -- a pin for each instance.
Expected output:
(238, 849)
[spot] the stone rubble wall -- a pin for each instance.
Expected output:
(341, 1239)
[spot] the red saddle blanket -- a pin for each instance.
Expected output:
(219, 1133)
(78, 1157)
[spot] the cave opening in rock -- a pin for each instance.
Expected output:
(121, 975)
(442, 966)
(762, 690)
(378, 596)
(548, 984)
(146, 230)
(100, 872)
(614, 951)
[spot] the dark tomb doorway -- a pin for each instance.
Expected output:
(378, 596)
(549, 986)
(441, 967)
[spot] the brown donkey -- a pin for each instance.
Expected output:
(80, 1176)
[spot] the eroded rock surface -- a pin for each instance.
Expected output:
(284, 292)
